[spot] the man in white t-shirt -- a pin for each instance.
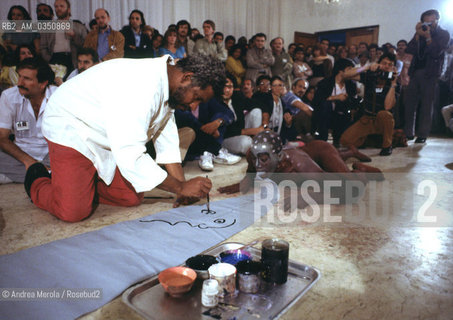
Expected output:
(97, 126)
(21, 113)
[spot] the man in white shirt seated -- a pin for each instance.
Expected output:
(86, 58)
(97, 126)
(21, 113)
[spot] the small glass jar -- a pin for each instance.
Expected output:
(209, 293)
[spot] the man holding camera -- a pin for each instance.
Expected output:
(380, 97)
(428, 48)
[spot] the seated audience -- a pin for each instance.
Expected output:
(218, 36)
(283, 64)
(259, 58)
(208, 45)
(108, 43)
(246, 119)
(308, 96)
(194, 32)
(342, 53)
(209, 121)
(363, 46)
(301, 113)
(137, 44)
(334, 99)
(372, 50)
(44, 12)
(309, 53)
(170, 45)
(149, 32)
(9, 76)
(86, 58)
(324, 46)
(234, 65)
(353, 54)
(247, 87)
(291, 50)
(230, 41)
(321, 66)
(93, 24)
(157, 41)
(59, 48)
(21, 111)
(277, 118)
(262, 96)
(242, 41)
(12, 39)
(183, 29)
(380, 51)
(300, 68)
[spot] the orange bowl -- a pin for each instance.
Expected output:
(177, 280)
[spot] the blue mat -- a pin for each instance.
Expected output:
(115, 257)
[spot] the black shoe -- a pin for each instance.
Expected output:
(420, 140)
(410, 138)
(386, 151)
(35, 171)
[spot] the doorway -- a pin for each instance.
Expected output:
(369, 34)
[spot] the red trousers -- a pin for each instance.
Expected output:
(74, 189)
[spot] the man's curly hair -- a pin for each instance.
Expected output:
(207, 71)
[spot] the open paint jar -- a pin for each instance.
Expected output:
(235, 256)
(225, 274)
(249, 276)
(201, 263)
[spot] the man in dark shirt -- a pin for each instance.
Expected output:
(380, 97)
(333, 101)
(428, 48)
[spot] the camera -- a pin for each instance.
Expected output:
(425, 25)
(385, 75)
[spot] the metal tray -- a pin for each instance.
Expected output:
(151, 301)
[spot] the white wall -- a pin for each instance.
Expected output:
(396, 18)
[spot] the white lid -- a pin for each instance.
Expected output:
(211, 286)
(222, 270)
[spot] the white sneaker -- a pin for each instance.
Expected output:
(225, 157)
(205, 161)
(4, 179)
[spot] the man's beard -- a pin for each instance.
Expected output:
(177, 97)
(63, 15)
